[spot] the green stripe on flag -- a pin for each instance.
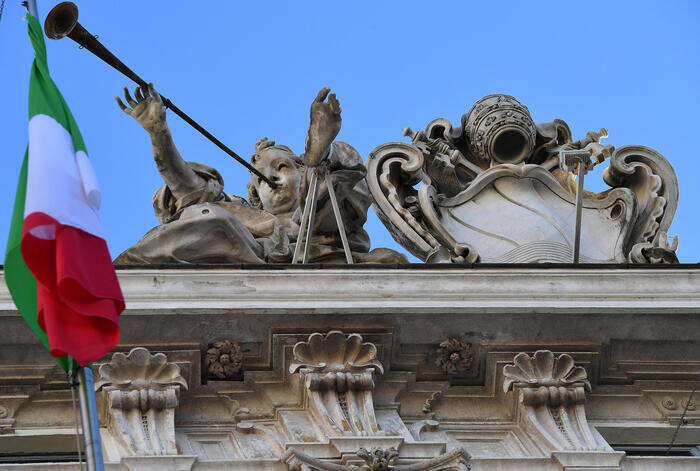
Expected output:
(44, 96)
(20, 281)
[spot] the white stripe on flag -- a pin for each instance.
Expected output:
(89, 179)
(54, 183)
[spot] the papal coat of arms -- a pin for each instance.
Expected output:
(493, 190)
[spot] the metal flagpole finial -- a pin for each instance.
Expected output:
(30, 5)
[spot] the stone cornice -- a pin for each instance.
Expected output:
(393, 290)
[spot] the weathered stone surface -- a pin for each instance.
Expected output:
(494, 190)
(633, 331)
(201, 224)
(141, 392)
(224, 360)
(454, 356)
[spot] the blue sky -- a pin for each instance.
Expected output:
(250, 69)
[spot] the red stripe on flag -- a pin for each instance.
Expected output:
(78, 295)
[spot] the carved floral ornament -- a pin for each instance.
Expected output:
(224, 360)
(454, 356)
(452, 193)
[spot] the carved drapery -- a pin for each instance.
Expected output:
(551, 395)
(141, 394)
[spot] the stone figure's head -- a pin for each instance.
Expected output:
(279, 164)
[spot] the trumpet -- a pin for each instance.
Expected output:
(62, 21)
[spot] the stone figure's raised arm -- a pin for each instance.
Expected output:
(149, 111)
(324, 126)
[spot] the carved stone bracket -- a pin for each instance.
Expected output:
(551, 395)
(338, 377)
(141, 394)
(11, 398)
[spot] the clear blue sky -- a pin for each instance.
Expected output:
(250, 69)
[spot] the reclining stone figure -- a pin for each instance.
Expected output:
(200, 223)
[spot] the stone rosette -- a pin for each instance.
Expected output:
(224, 360)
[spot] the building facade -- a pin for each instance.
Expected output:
(420, 367)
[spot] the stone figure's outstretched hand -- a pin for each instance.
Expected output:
(147, 109)
(324, 126)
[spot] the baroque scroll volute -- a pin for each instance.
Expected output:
(338, 371)
(492, 190)
(141, 392)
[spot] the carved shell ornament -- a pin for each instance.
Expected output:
(138, 370)
(335, 352)
(544, 369)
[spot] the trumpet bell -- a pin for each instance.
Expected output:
(61, 20)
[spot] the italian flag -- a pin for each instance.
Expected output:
(57, 266)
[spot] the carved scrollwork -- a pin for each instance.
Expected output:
(392, 170)
(141, 392)
(653, 181)
(11, 399)
(493, 191)
(378, 460)
(551, 396)
(338, 377)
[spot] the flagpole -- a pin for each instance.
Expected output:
(31, 8)
(88, 415)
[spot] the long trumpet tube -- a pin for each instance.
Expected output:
(62, 21)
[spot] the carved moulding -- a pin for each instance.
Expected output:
(378, 460)
(141, 393)
(338, 376)
(551, 394)
(448, 199)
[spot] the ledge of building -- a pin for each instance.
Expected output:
(408, 289)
